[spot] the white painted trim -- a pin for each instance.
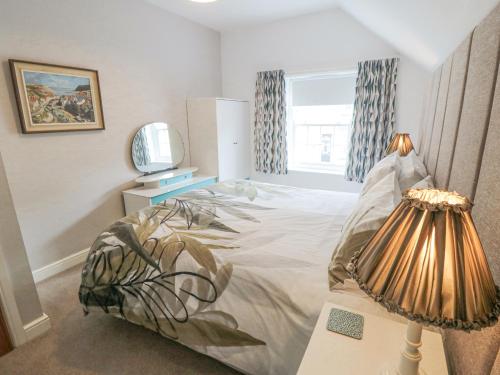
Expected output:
(37, 327)
(9, 308)
(19, 333)
(60, 265)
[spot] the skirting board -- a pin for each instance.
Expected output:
(37, 327)
(60, 265)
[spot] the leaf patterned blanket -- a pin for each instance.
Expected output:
(237, 271)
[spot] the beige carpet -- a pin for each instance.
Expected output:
(98, 344)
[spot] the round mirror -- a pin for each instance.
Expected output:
(157, 147)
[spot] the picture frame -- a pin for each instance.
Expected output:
(56, 98)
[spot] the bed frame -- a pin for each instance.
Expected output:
(460, 146)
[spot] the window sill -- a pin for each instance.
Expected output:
(339, 172)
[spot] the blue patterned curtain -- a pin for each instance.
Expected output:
(374, 116)
(270, 123)
(140, 149)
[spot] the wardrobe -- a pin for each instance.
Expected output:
(219, 137)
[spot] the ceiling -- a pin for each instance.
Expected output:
(425, 30)
(225, 15)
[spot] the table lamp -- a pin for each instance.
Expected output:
(402, 143)
(427, 264)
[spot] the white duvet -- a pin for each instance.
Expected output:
(272, 297)
(280, 281)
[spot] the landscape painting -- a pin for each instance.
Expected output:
(56, 98)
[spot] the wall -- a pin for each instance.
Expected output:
(67, 187)
(13, 253)
(326, 41)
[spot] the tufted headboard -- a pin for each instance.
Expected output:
(460, 146)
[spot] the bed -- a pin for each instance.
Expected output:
(236, 271)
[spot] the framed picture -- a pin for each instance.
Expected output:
(54, 98)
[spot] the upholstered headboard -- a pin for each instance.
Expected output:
(461, 149)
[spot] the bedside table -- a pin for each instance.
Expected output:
(161, 186)
(332, 353)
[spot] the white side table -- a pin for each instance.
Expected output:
(332, 353)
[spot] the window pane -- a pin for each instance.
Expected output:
(320, 136)
(327, 133)
(164, 145)
(300, 146)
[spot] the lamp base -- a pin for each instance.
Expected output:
(395, 371)
(410, 356)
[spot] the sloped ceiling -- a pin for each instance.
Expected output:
(425, 30)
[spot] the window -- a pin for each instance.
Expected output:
(320, 109)
(158, 143)
(164, 152)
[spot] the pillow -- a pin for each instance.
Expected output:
(412, 170)
(381, 169)
(426, 183)
(369, 214)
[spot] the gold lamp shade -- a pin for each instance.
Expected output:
(427, 263)
(402, 143)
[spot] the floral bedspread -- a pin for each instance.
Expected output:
(234, 271)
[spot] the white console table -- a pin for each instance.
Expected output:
(161, 186)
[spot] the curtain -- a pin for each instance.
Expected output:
(140, 149)
(374, 116)
(270, 123)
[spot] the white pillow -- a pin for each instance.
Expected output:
(381, 169)
(426, 183)
(412, 170)
(369, 214)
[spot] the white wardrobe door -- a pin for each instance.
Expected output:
(234, 139)
(202, 122)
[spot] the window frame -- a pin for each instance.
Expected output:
(304, 166)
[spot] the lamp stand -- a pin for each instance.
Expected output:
(410, 356)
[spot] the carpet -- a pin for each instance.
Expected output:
(98, 344)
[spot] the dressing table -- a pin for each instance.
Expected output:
(157, 149)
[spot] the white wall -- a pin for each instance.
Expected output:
(13, 253)
(326, 41)
(67, 187)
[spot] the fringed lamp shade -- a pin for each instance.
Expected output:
(426, 263)
(402, 143)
